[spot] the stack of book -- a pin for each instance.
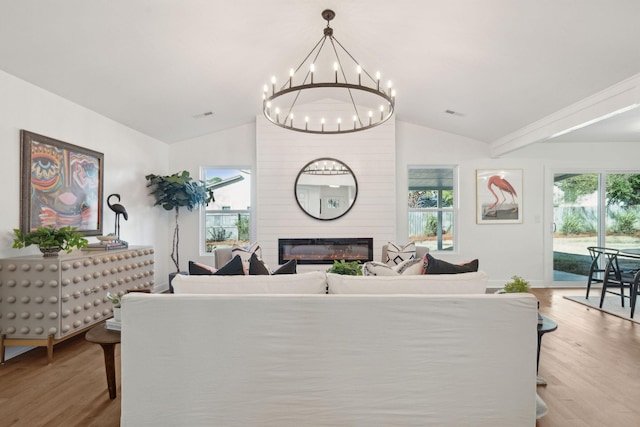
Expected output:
(106, 246)
(113, 325)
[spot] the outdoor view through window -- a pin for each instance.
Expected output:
(228, 218)
(592, 209)
(431, 207)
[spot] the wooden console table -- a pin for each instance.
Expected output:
(44, 301)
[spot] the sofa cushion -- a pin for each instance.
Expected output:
(397, 253)
(467, 283)
(258, 268)
(438, 266)
(234, 267)
(408, 267)
(313, 282)
(245, 253)
(199, 269)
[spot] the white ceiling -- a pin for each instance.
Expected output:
(158, 65)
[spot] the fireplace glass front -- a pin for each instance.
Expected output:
(325, 250)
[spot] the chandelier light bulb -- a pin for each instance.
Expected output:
(359, 71)
(278, 114)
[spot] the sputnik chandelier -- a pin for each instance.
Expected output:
(306, 101)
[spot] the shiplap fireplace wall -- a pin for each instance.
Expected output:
(281, 153)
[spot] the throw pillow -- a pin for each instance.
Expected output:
(288, 267)
(258, 267)
(438, 266)
(396, 254)
(408, 268)
(198, 269)
(245, 253)
(232, 268)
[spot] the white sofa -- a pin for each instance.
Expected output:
(312, 359)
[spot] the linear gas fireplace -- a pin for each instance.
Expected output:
(325, 251)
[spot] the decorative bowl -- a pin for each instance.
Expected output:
(106, 239)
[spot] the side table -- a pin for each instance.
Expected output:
(107, 339)
(547, 325)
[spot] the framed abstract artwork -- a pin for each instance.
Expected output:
(60, 185)
(499, 196)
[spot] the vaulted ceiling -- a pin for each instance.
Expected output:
(505, 68)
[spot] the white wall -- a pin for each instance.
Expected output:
(128, 157)
(235, 147)
(282, 153)
(276, 155)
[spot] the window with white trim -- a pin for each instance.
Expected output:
(431, 206)
(228, 218)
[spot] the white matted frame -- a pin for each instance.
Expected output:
(499, 196)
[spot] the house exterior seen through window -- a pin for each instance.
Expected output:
(228, 218)
(431, 199)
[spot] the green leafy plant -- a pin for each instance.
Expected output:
(66, 238)
(175, 191)
(115, 299)
(352, 268)
(517, 284)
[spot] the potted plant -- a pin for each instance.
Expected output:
(115, 299)
(175, 191)
(516, 284)
(50, 240)
(352, 268)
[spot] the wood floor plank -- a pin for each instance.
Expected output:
(590, 364)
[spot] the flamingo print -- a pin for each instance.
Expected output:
(504, 186)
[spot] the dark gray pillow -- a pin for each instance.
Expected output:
(438, 266)
(257, 267)
(232, 268)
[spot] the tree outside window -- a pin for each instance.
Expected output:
(431, 207)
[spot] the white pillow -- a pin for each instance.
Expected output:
(396, 254)
(408, 267)
(463, 283)
(313, 282)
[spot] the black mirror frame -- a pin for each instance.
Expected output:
(295, 187)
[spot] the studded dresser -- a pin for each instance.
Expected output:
(46, 300)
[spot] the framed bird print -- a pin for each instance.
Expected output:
(499, 196)
(60, 185)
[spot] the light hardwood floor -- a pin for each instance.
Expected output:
(592, 365)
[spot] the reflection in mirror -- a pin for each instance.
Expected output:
(326, 188)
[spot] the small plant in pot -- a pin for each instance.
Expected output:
(352, 268)
(115, 299)
(516, 284)
(50, 240)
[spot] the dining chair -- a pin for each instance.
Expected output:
(604, 267)
(620, 279)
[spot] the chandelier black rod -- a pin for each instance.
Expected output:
(344, 76)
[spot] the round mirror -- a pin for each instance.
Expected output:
(326, 188)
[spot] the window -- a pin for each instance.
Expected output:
(228, 218)
(431, 210)
(593, 209)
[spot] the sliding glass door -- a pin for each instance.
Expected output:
(592, 209)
